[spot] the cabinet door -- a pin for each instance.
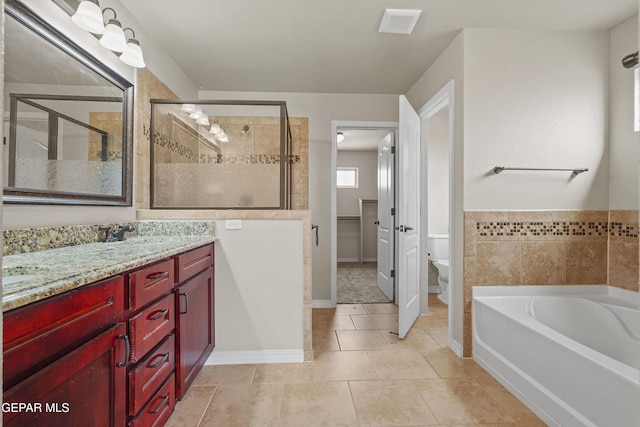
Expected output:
(195, 328)
(87, 387)
(38, 334)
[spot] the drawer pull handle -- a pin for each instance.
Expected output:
(160, 315)
(163, 358)
(186, 303)
(165, 399)
(155, 276)
(127, 350)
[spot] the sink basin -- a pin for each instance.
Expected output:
(23, 270)
(140, 240)
(17, 274)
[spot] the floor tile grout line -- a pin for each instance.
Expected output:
(206, 407)
(353, 402)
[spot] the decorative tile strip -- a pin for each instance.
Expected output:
(623, 230)
(165, 141)
(246, 159)
(555, 228)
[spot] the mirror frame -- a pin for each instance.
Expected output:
(12, 195)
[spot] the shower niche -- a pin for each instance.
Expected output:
(221, 155)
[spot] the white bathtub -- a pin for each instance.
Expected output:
(570, 353)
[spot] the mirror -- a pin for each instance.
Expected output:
(67, 119)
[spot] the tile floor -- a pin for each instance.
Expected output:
(361, 375)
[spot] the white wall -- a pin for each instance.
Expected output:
(321, 109)
(536, 99)
(259, 268)
(438, 172)
(623, 141)
(158, 62)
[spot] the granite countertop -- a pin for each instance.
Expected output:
(30, 277)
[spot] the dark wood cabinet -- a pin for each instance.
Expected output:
(195, 327)
(84, 388)
(151, 323)
(66, 357)
(114, 353)
(38, 334)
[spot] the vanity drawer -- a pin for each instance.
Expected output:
(159, 408)
(191, 263)
(150, 326)
(147, 377)
(150, 283)
(39, 333)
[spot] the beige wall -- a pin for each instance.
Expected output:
(624, 150)
(536, 99)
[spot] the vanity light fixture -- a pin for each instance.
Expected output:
(215, 129)
(113, 37)
(132, 55)
(196, 114)
(339, 137)
(204, 120)
(188, 108)
(88, 16)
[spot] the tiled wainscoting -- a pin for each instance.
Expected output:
(505, 248)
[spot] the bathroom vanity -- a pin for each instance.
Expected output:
(106, 333)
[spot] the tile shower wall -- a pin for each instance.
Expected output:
(149, 87)
(548, 248)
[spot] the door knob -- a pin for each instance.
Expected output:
(376, 222)
(407, 228)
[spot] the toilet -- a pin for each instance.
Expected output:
(439, 258)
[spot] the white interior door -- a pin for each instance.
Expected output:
(408, 218)
(386, 197)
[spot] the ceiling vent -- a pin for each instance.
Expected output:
(399, 21)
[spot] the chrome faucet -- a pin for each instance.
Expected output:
(118, 235)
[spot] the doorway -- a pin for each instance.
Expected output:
(441, 224)
(355, 211)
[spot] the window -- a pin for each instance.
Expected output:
(347, 178)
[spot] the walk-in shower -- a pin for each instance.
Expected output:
(220, 155)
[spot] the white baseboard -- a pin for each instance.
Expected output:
(255, 356)
(357, 260)
(321, 303)
(456, 347)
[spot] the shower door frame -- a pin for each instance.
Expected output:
(285, 151)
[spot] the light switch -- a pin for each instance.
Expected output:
(233, 224)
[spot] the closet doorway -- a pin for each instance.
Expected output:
(357, 217)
